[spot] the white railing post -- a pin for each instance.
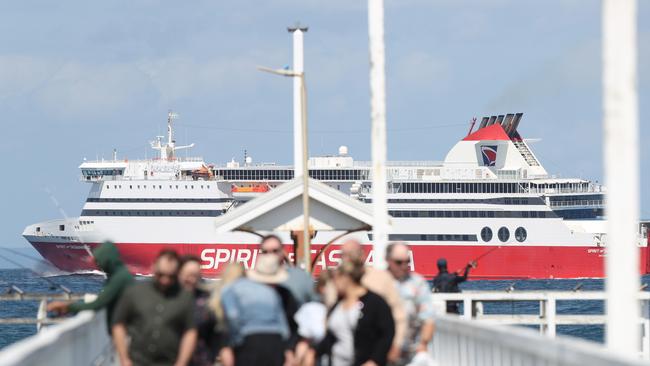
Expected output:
(621, 157)
(550, 317)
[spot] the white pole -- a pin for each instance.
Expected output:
(378, 118)
(621, 140)
(298, 69)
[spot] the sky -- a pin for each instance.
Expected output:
(79, 78)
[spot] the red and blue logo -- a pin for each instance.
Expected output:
(489, 154)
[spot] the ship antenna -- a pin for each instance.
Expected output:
(471, 127)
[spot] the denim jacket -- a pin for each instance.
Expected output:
(252, 308)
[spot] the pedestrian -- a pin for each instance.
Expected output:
(360, 325)
(257, 324)
(311, 319)
(382, 283)
(415, 293)
(230, 273)
(210, 339)
(448, 282)
(107, 259)
(158, 316)
(299, 282)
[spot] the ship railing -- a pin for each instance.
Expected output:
(577, 203)
(484, 331)
(588, 189)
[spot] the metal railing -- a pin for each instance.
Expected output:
(514, 342)
(577, 203)
(81, 340)
(459, 342)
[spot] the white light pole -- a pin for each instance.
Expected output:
(298, 68)
(300, 138)
(621, 153)
(378, 117)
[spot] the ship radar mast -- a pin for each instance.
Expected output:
(168, 150)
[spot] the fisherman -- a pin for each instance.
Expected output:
(448, 282)
(107, 258)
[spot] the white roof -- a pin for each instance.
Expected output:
(281, 210)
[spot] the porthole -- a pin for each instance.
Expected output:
(486, 234)
(504, 234)
(521, 234)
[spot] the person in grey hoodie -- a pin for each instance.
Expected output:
(107, 259)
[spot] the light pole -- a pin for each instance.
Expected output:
(306, 239)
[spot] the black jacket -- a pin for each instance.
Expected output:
(374, 332)
(448, 282)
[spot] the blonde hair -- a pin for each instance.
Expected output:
(352, 269)
(232, 272)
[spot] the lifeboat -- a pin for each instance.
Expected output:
(249, 191)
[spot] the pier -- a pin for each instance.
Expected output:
(304, 206)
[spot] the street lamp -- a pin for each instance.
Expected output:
(306, 239)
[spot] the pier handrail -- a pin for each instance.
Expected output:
(80, 340)
(462, 342)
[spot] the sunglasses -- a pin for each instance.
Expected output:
(401, 262)
(272, 251)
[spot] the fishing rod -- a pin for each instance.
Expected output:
(475, 260)
(16, 252)
(53, 285)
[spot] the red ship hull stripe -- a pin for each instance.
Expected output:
(506, 262)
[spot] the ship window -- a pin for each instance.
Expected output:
(504, 234)
(486, 234)
(130, 187)
(61, 227)
(107, 186)
(160, 187)
(38, 229)
(521, 234)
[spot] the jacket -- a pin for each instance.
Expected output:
(373, 334)
(118, 278)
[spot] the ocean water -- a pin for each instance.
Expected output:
(28, 281)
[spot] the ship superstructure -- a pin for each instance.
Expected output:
(489, 191)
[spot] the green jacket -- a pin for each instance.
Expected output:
(118, 278)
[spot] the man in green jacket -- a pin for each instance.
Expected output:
(118, 278)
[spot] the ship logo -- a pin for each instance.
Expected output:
(489, 154)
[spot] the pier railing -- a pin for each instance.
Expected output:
(463, 343)
(81, 340)
(474, 306)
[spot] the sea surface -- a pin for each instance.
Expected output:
(29, 281)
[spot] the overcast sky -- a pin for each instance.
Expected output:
(80, 78)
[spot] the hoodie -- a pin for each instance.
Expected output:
(118, 278)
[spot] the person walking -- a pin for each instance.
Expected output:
(118, 278)
(382, 283)
(360, 325)
(210, 339)
(230, 273)
(257, 324)
(299, 282)
(158, 316)
(448, 282)
(415, 293)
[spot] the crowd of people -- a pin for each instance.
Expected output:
(272, 314)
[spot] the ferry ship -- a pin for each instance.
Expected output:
(490, 198)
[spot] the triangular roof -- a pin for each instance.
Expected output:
(281, 210)
(492, 132)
